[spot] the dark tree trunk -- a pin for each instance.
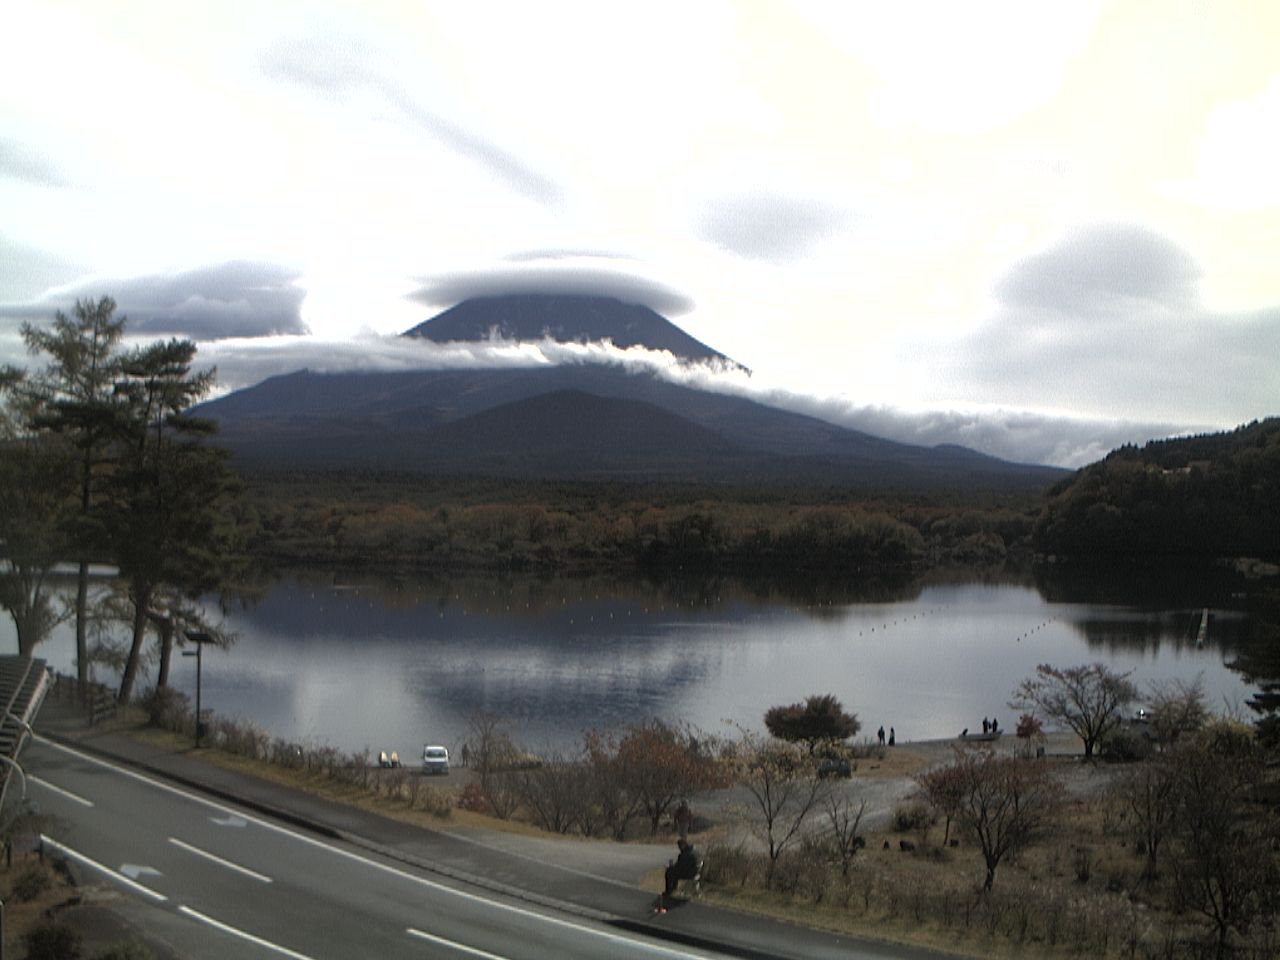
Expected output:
(166, 652)
(142, 602)
(82, 645)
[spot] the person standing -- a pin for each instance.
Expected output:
(880, 734)
(684, 819)
(891, 736)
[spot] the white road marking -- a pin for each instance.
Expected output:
(59, 790)
(135, 870)
(229, 821)
(631, 942)
(453, 944)
(243, 934)
(219, 861)
(87, 861)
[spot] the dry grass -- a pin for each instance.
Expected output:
(350, 794)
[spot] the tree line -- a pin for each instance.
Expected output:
(103, 463)
(403, 522)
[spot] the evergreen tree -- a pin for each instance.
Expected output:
(166, 520)
(73, 399)
(34, 497)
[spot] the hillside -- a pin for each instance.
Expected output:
(1201, 497)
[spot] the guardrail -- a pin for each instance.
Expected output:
(97, 699)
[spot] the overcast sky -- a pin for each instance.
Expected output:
(1041, 230)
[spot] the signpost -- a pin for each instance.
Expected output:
(199, 638)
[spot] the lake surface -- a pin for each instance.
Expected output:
(378, 666)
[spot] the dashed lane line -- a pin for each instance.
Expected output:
(214, 858)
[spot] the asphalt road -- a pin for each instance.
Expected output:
(218, 882)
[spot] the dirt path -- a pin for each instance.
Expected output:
(883, 782)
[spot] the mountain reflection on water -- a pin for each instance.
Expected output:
(360, 663)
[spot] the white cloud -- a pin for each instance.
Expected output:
(956, 67)
(1239, 154)
(1108, 323)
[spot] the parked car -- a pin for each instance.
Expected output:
(835, 767)
(435, 759)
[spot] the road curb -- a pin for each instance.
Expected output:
(610, 919)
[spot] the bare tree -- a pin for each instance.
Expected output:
(553, 792)
(1005, 803)
(662, 763)
(944, 788)
(844, 819)
(609, 783)
(1089, 699)
(488, 750)
(1224, 870)
(784, 788)
(1177, 708)
(1150, 793)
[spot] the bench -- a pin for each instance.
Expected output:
(692, 885)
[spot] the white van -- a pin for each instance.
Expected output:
(435, 759)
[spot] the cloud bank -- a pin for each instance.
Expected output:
(20, 161)
(769, 226)
(236, 299)
(1109, 322)
(450, 289)
(29, 271)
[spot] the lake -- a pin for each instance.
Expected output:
(387, 666)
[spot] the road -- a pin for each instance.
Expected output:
(223, 883)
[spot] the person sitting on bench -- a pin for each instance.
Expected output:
(684, 867)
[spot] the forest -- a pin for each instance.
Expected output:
(407, 522)
(1204, 497)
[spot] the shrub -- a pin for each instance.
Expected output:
(52, 941)
(726, 866)
(129, 950)
(473, 798)
(803, 872)
(908, 817)
(31, 882)
(286, 753)
(1029, 726)
(1124, 745)
(433, 800)
(168, 709)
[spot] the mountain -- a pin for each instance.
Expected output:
(568, 318)
(585, 421)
